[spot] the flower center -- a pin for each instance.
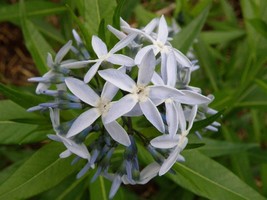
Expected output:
(141, 92)
(103, 107)
(104, 57)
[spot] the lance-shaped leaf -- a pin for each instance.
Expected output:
(42, 171)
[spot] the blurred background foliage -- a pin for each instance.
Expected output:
(229, 38)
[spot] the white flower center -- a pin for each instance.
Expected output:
(141, 92)
(103, 106)
(104, 57)
(169, 100)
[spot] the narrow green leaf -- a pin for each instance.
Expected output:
(215, 148)
(207, 62)
(209, 179)
(48, 30)
(184, 39)
(35, 42)
(94, 11)
(14, 133)
(143, 16)
(128, 8)
(10, 110)
(262, 84)
(21, 98)
(205, 122)
(37, 45)
(260, 26)
(42, 171)
(221, 37)
(34, 9)
(99, 190)
(117, 14)
(228, 11)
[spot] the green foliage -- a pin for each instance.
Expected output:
(230, 43)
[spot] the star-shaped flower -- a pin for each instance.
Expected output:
(102, 53)
(140, 93)
(58, 69)
(100, 107)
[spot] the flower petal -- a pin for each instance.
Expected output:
(77, 149)
(49, 60)
(82, 91)
(62, 52)
(141, 53)
(119, 59)
(149, 172)
(118, 78)
(165, 141)
(91, 72)
(119, 108)
(123, 42)
(118, 133)
(146, 68)
(109, 91)
(192, 117)
(163, 67)
(156, 79)
(192, 98)
(181, 117)
(169, 162)
(76, 65)
(161, 93)
(136, 111)
(149, 28)
(152, 114)
(181, 58)
(83, 121)
(114, 187)
(99, 46)
(162, 30)
(171, 117)
(119, 34)
(171, 70)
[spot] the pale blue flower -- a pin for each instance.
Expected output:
(102, 53)
(140, 93)
(100, 107)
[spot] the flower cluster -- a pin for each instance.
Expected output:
(142, 77)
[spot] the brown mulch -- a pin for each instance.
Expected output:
(16, 64)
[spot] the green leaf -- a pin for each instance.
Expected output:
(94, 11)
(209, 179)
(262, 84)
(37, 45)
(34, 9)
(221, 37)
(260, 26)
(42, 171)
(205, 122)
(35, 42)
(143, 16)
(117, 14)
(10, 110)
(215, 148)
(99, 190)
(207, 62)
(20, 97)
(184, 39)
(15, 133)
(48, 30)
